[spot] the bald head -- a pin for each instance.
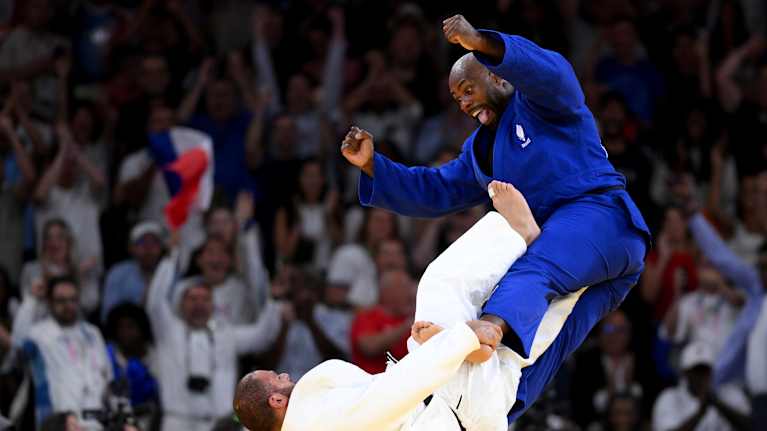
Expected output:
(261, 400)
(478, 92)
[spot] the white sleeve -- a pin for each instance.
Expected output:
(395, 393)
(256, 275)
(262, 58)
(157, 304)
(458, 282)
(756, 355)
(30, 312)
(258, 336)
(664, 415)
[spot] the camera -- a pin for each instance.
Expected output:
(198, 383)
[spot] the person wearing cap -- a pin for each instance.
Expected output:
(694, 404)
(127, 281)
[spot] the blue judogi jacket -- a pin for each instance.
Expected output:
(547, 145)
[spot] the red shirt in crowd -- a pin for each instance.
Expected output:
(371, 322)
(679, 261)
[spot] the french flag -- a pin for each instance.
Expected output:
(185, 157)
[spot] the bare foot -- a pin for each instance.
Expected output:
(423, 331)
(510, 203)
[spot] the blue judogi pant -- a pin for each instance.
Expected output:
(595, 303)
(583, 243)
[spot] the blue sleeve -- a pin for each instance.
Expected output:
(545, 78)
(36, 364)
(420, 191)
(731, 266)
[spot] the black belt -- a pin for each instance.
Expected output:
(603, 190)
(460, 425)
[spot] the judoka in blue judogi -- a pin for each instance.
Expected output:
(536, 133)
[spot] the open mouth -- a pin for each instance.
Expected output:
(481, 113)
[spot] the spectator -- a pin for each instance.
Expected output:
(17, 177)
(130, 349)
(609, 369)
(627, 70)
(30, 52)
(705, 315)
(623, 414)
(57, 258)
(127, 281)
(196, 355)
(756, 380)
(385, 327)
(68, 190)
(352, 266)
(226, 122)
(671, 269)
(694, 404)
(306, 227)
(732, 361)
(313, 333)
(66, 355)
(9, 305)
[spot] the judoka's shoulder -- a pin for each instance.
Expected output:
(333, 372)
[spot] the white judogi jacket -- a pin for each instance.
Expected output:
(340, 396)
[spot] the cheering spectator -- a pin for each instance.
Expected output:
(312, 332)
(694, 404)
(130, 343)
(127, 281)
(196, 355)
(385, 327)
(66, 355)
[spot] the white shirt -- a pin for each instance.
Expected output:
(704, 317)
(756, 355)
(74, 362)
(210, 352)
(676, 405)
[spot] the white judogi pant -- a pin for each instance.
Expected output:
(453, 289)
(339, 396)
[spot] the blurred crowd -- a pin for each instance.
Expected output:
(107, 320)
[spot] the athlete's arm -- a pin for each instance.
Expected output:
(411, 191)
(544, 77)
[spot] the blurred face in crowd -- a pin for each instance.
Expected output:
(696, 125)
(615, 334)
(197, 306)
(381, 225)
(612, 119)
(299, 94)
(65, 303)
(155, 76)
(622, 414)
(221, 223)
(37, 13)
(311, 181)
(685, 54)
(221, 99)
(161, 118)
(391, 255)
(83, 125)
(57, 242)
(674, 226)
(405, 46)
(479, 93)
(147, 251)
(129, 337)
(698, 379)
(215, 261)
(397, 292)
(284, 137)
(72, 423)
(709, 279)
(623, 39)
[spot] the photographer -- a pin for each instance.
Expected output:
(197, 355)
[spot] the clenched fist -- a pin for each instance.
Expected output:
(358, 149)
(459, 31)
